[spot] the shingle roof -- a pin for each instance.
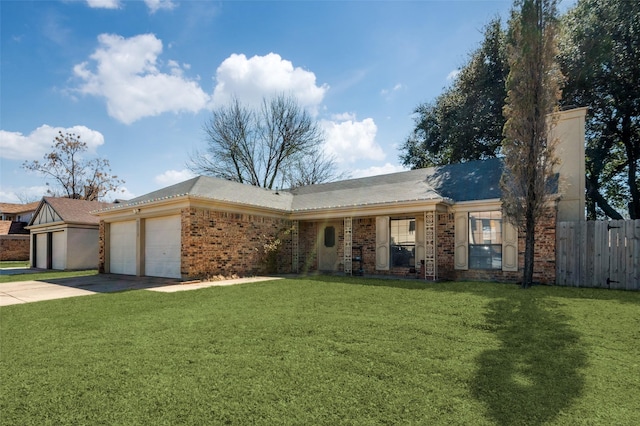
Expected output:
(18, 208)
(5, 226)
(475, 180)
(219, 190)
(75, 211)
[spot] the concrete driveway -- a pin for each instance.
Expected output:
(34, 291)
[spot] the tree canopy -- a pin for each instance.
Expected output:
(599, 55)
(276, 145)
(465, 122)
(72, 175)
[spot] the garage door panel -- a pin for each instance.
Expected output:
(163, 247)
(41, 251)
(122, 248)
(59, 250)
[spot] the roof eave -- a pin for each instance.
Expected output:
(374, 209)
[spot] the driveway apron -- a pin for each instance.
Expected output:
(13, 293)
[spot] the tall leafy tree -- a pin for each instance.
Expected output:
(533, 93)
(465, 122)
(276, 145)
(71, 175)
(601, 58)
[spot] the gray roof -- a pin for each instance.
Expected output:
(219, 190)
(475, 180)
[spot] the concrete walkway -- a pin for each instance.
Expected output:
(13, 293)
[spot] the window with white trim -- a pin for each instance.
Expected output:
(403, 242)
(485, 240)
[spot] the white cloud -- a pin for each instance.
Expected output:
(155, 5)
(121, 194)
(16, 146)
(344, 116)
(394, 89)
(104, 4)
(350, 141)
(22, 194)
(453, 75)
(252, 79)
(378, 170)
(126, 74)
(171, 177)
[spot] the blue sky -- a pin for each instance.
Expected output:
(138, 79)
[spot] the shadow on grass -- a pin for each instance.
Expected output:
(535, 374)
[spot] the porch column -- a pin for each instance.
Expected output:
(294, 246)
(430, 262)
(348, 241)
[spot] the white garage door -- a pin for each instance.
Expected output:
(162, 247)
(41, 250)
(122, 251)
(59, 250)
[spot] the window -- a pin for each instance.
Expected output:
(329, 236)
(403, 242)
(485, 240)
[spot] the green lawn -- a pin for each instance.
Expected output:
(14, 264)
(327, 351)
(46, 275)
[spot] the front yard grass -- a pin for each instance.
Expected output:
(47, 275)
(325, 350)
(14, 264)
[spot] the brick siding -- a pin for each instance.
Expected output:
(219, 243)
(14, 247)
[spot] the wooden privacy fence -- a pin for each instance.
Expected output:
(598, 254)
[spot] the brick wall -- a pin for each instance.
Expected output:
(219, 243)
(445, 238)
(101, 247)
(307, 253)
(14, 247)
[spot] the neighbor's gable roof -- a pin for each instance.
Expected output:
(476, 180)
(18, 208)
(68, 210)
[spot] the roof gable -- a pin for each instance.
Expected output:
(68, 210)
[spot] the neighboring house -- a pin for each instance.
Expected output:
(64, 234)
(435, 223)
(14, 239)
(18, 212)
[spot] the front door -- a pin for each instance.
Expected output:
(328, 247)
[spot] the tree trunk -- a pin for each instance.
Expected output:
(530, 241)
(593, 193)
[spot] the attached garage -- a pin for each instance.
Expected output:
(122, 248)
(162, 247)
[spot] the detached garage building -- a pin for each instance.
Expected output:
(64, 234)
